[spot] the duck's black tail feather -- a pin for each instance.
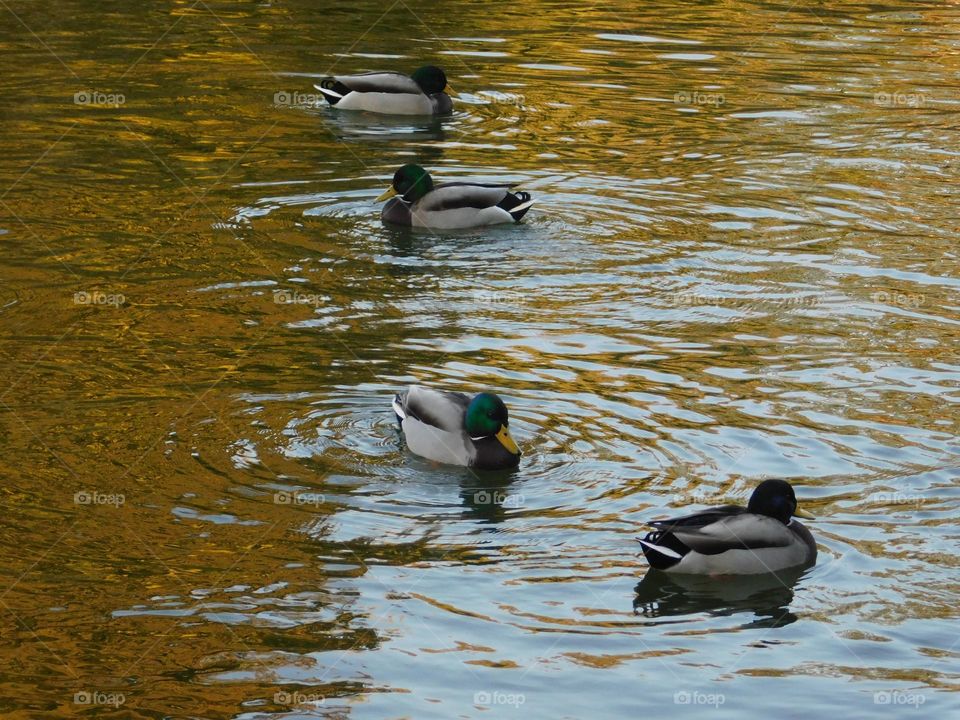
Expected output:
(662, 549)
(398, 409)
(517, 204)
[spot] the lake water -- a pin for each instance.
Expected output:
(742, 264)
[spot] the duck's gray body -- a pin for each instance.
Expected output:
(432, 421)
(728, 540)
(459, 205)
(391, 93)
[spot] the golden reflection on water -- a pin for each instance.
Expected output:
(742, 263)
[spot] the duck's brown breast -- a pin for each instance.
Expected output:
(397, 212)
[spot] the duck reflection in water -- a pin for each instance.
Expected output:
(383, 128)
(768, 596)
(488, 495)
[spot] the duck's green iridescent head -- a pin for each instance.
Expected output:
(430, 78)
(776, 499)
(487, 417)
(411, 182)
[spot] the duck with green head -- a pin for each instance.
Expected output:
(392, 93)
(415, 201)
(733, 540)
(457, 429)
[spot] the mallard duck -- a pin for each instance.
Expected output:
(420, 203)
(454, 428)
(733, 540)
(392, 93)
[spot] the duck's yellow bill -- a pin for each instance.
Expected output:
(388, 193)
(804, 514)
(450, 91)
(503, 435)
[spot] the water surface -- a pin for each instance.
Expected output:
(742, 264)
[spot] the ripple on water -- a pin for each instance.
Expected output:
(741, 263)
